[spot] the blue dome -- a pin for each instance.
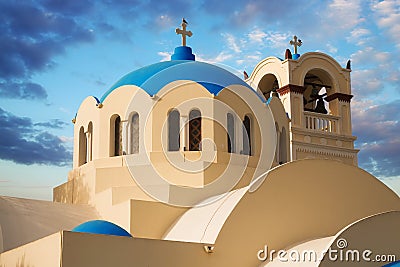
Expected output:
(154, 77)
(101, 227)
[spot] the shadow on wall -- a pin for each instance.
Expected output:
(20, 263)
(75, 191)
(80, 190)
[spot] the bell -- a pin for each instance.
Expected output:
(320, 108)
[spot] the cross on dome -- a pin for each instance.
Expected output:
(183, 32)
(296, 43)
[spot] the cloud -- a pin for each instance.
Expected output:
(53, 124)
(388, 17)
(370, 56)
(377, 128)
(22, 142)
(165, 56)
(343, 14)
(311, 19)
(245, 50)
(249, 60)
(331, 48)
(374, 71)
(232, 42)
(22, 90)
(67, 139)
(367, 82)
(31, 34)
(278, 40)
(257, 36)
(220, 58)
(242, 13)
(359, 36)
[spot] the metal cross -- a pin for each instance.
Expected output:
(296, 43)
(183, 32)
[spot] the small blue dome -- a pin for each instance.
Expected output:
(183, 53)
(101, 227)
(154, 77)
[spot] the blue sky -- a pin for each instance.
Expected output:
(54, 53)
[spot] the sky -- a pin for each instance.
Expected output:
(55, 53)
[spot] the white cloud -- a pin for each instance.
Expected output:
(278, 39)
(337, 19)
(331, 48)
(232, 43)
(249, 60)
(374, 72)
(165, 55)
(67, 139)
(388, 17)
(380, 146)
(370, 55)
(221, 57)
(343, 14)
(382, 57)
(257, 36)
(366, 82)
(359, 36)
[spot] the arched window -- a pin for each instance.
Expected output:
(230, 121)
(195, 130)
(134, 134)
(173, 130)
(89, 141)
(115, 136)
(247, 136)
(82, 147)
(283, 147)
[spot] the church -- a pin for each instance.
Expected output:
(183, 163)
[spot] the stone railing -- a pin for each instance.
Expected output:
(321, 122)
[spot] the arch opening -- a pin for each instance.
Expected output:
(318, 85)
(268, 83)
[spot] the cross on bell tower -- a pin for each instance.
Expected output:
(296, 43)
(183, 32)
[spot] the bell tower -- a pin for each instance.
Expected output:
(316, 94)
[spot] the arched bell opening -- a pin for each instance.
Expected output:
(318, 85)
(268, 83)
